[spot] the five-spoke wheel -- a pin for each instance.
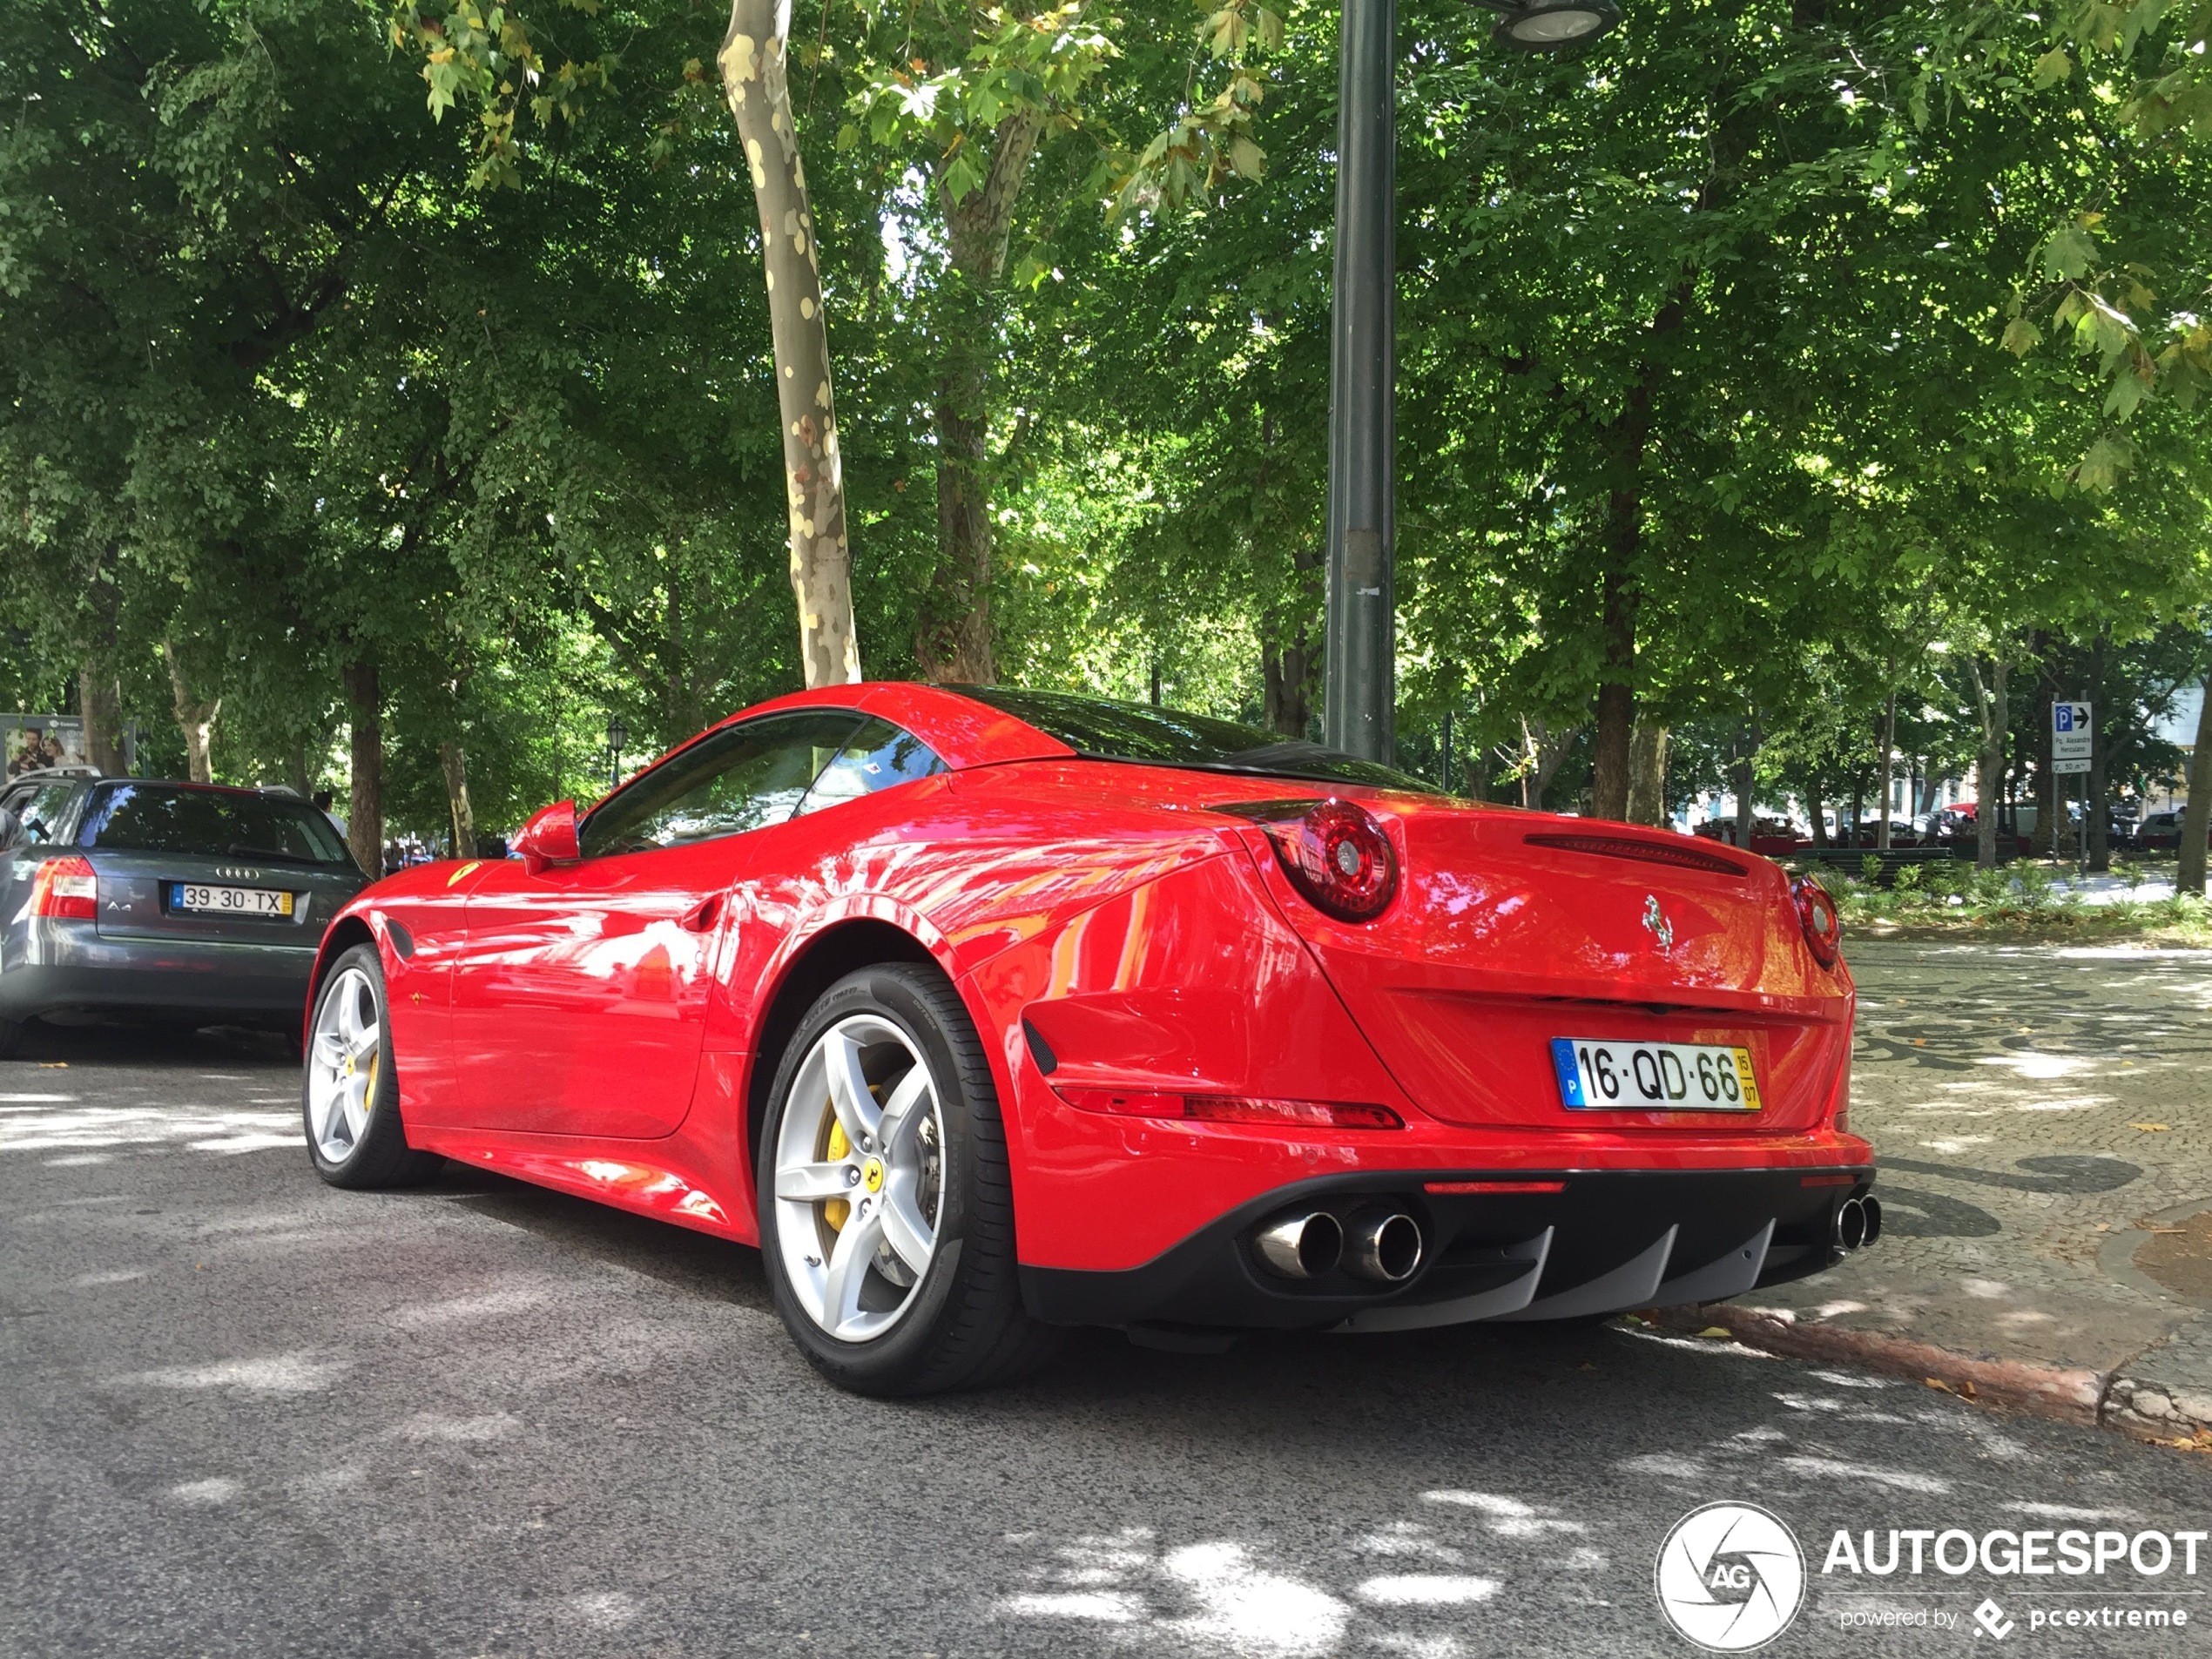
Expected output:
(859, 1179)
(350, 1097)
(342, 1064)
(886, 1211)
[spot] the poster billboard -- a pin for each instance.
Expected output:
(29, 742)
(35, 740)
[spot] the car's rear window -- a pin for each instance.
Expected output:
(1100, 729)
(171, 818)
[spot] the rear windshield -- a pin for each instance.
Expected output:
(1099, 729)
(171, 818)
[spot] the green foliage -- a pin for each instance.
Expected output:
(285, 384)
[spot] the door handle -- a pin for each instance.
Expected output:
(701, 916)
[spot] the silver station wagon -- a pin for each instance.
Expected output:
(180, 901)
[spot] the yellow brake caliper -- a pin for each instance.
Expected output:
(836, 1209)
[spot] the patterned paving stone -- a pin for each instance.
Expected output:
(2043, 1117)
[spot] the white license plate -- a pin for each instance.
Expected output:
(1654, 1076)
(229, 902)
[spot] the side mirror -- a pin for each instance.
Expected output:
(549, 838)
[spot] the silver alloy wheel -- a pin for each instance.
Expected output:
(344, 1060)
(859, 1178)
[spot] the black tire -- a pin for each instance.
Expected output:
(10, 1035)
(965, 1326)
(381, 1157)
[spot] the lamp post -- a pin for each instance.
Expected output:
(1358, 693)
(617, 734)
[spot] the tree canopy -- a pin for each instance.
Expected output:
(387, 394)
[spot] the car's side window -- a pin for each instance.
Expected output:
(41, 814)
(739, 778)
(877, 756)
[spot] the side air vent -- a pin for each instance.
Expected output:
(1681, 854)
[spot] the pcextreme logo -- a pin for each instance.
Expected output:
(1730, 1577)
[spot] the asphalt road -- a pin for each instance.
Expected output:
(243, 1413)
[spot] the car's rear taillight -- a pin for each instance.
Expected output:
(1338, 857)
(67, 889)
(1817, 916)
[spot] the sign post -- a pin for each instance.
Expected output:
(2071, 737)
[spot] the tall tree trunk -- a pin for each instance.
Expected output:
(1616, 703)
(2046, 783)
(1888, 768)
(754, 80)
(2094, 823)
(99, 696)
(954, 642)
(1747, 783)
(453, 761)
(365, 812)
(296, 773)
(1647, 774)
(1817, 808)
(1626, 439)
(195, 718)
(100, 703)
(2196, 816)
(1989, 765)
(1546, 752)
(1287, 681)
(1286, 675)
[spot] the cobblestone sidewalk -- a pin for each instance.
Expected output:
(2043, 1120)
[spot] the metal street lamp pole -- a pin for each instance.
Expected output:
(1360, 689)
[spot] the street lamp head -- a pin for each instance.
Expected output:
(1548, 26)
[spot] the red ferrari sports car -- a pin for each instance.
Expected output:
(983, 1012)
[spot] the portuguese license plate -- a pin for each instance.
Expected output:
(228, 901)
(1594, 1076)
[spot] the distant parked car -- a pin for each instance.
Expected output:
(2158, 832)
(172, 899)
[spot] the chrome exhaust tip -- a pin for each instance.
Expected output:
(1849, 1231)
(1305, 1244)
(1385, 1245)
(1873, 1206)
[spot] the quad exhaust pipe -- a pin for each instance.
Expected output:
(1858, 1223)
(1308, 1244)
(1384, 1245)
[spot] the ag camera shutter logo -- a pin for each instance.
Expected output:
(1730, 1577)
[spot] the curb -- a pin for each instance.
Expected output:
(2068, 1394)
